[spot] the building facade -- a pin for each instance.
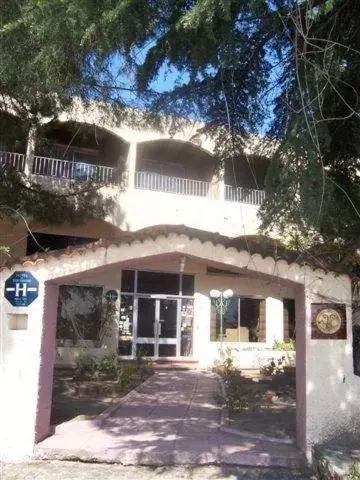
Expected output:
(162, 180)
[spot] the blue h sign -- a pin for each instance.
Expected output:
(21, 289)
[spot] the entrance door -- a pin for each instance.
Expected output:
(167, 327)
(157, 327)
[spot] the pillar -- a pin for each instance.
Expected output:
(327, 391)
(30, 150)
(131, 165)
(274, 321)
(48, 339)
(21, 340)
(218, 184)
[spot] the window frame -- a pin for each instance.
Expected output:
(242, 342)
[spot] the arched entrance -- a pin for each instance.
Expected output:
(324, 368)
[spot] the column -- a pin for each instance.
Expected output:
(30, 151)
(22, 340)
(274, 321)
(46, 371)
(218, 184)
(131, 165)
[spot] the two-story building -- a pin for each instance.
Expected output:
(165, 182)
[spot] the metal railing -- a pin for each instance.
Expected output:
(167, 184)
(53, 167)
(244, 195)
(56, 168)
(14, 160)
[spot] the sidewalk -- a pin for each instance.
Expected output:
(171, 419)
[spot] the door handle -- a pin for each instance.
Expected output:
(159, 329)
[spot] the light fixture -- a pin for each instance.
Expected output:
(228, 293)
(215, 293)
(221, 302)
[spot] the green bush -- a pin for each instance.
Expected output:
(355, 472)
(285, 346)
(274, 367)
(85, 364)
(126, 372)
(107, 365)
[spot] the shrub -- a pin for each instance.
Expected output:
(285, 346)
(275, 367)
(225, 364)
(107, 365)
(85, 364)
(355, 472)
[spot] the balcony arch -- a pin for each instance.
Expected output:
(176, 158)
(79, 148)
(13, 133)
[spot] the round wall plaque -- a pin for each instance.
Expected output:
(328, 321)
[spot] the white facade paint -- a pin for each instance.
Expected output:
(327, 390)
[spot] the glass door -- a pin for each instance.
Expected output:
(167, 327)
(146, 331)
(164, 326)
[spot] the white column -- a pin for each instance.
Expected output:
(218, 184)
(30, 150)
(131, 165)
(20, 355)
(274, 320)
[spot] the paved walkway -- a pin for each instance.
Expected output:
(171, 419)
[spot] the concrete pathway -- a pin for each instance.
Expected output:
(171, 419)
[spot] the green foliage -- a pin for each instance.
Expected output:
(274, 367)
(355, 472)
(255, 66)
(126, 371)
(224, 366)
(286, 345)
(85, 364)
(107, 365)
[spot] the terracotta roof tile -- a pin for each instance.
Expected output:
(261, 245)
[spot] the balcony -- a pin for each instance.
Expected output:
(143, 180)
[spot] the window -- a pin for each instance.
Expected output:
(39, 241)
(188, 286)
(289, 319)
(155, 282)
(79, 313)
(127, 281)
(243, 320)
(162, 283)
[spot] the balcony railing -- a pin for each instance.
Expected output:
(181, 186)
(65, 169)
(53, 167)
(12, 159)
(244, 195)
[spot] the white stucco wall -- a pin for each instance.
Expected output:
(19, 376)
(141, 208)
(327, 393)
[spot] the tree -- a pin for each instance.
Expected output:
(295, 64)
